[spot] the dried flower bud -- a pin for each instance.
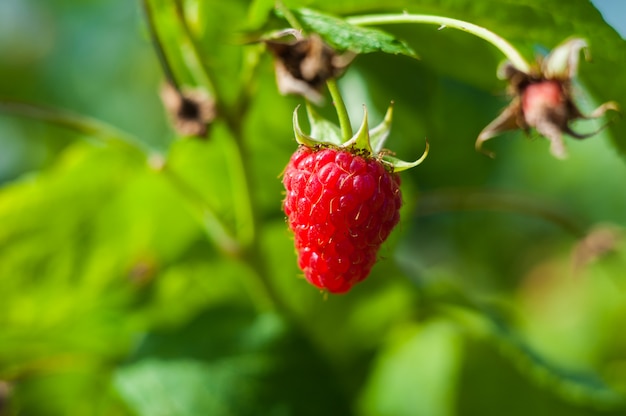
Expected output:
(305, 64)
(191, 112)
(542, 99)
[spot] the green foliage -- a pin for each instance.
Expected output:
(143, 273)
(242, 363)
(343, 36)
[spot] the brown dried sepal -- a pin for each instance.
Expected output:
(304, 65)
(190, 112)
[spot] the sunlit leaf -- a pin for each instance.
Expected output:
(228, 361)
(344, 36)
(416, 373)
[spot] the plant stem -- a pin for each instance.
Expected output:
(235, 155)
(289, 17)
(505, 47)
(245, 244)
(158, 46)
(340, 107)
(252, 253)
(468, 200)
(76, 122)
(191, 38)
(333, 88)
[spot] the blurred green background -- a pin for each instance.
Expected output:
(134, 286)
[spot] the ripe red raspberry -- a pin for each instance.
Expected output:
(341, 206)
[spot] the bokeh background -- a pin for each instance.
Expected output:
(127, 288)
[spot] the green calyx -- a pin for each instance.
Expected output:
(366, 141)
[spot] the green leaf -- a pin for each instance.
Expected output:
(227, 361)
(82, 262)
(415, 372)
(573, 384)
(75, 233)
(343, 36)
(259, 11)
(488, 376)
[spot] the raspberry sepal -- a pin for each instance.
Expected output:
(369, 143)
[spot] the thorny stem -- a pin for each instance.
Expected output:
(210, 78)
(229, 113)
(244, 232)
(467, 200)
(247, 246)
(76, 122)
(505, 47)
(340, 107)
(289, 17)
(158, 46)
(216, 230)
(252, 251)
(235, 154)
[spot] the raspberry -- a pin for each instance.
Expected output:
(341, 206)
(343, 199)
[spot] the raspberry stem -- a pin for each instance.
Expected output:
(289, 17)
(505, 47)
(207, 73)
(437, 202)
(158, 45)
(342, 112)
(78, 123)
(243, 242)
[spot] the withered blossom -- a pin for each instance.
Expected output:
(191, 112)
(304, 64)
(543, 99)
